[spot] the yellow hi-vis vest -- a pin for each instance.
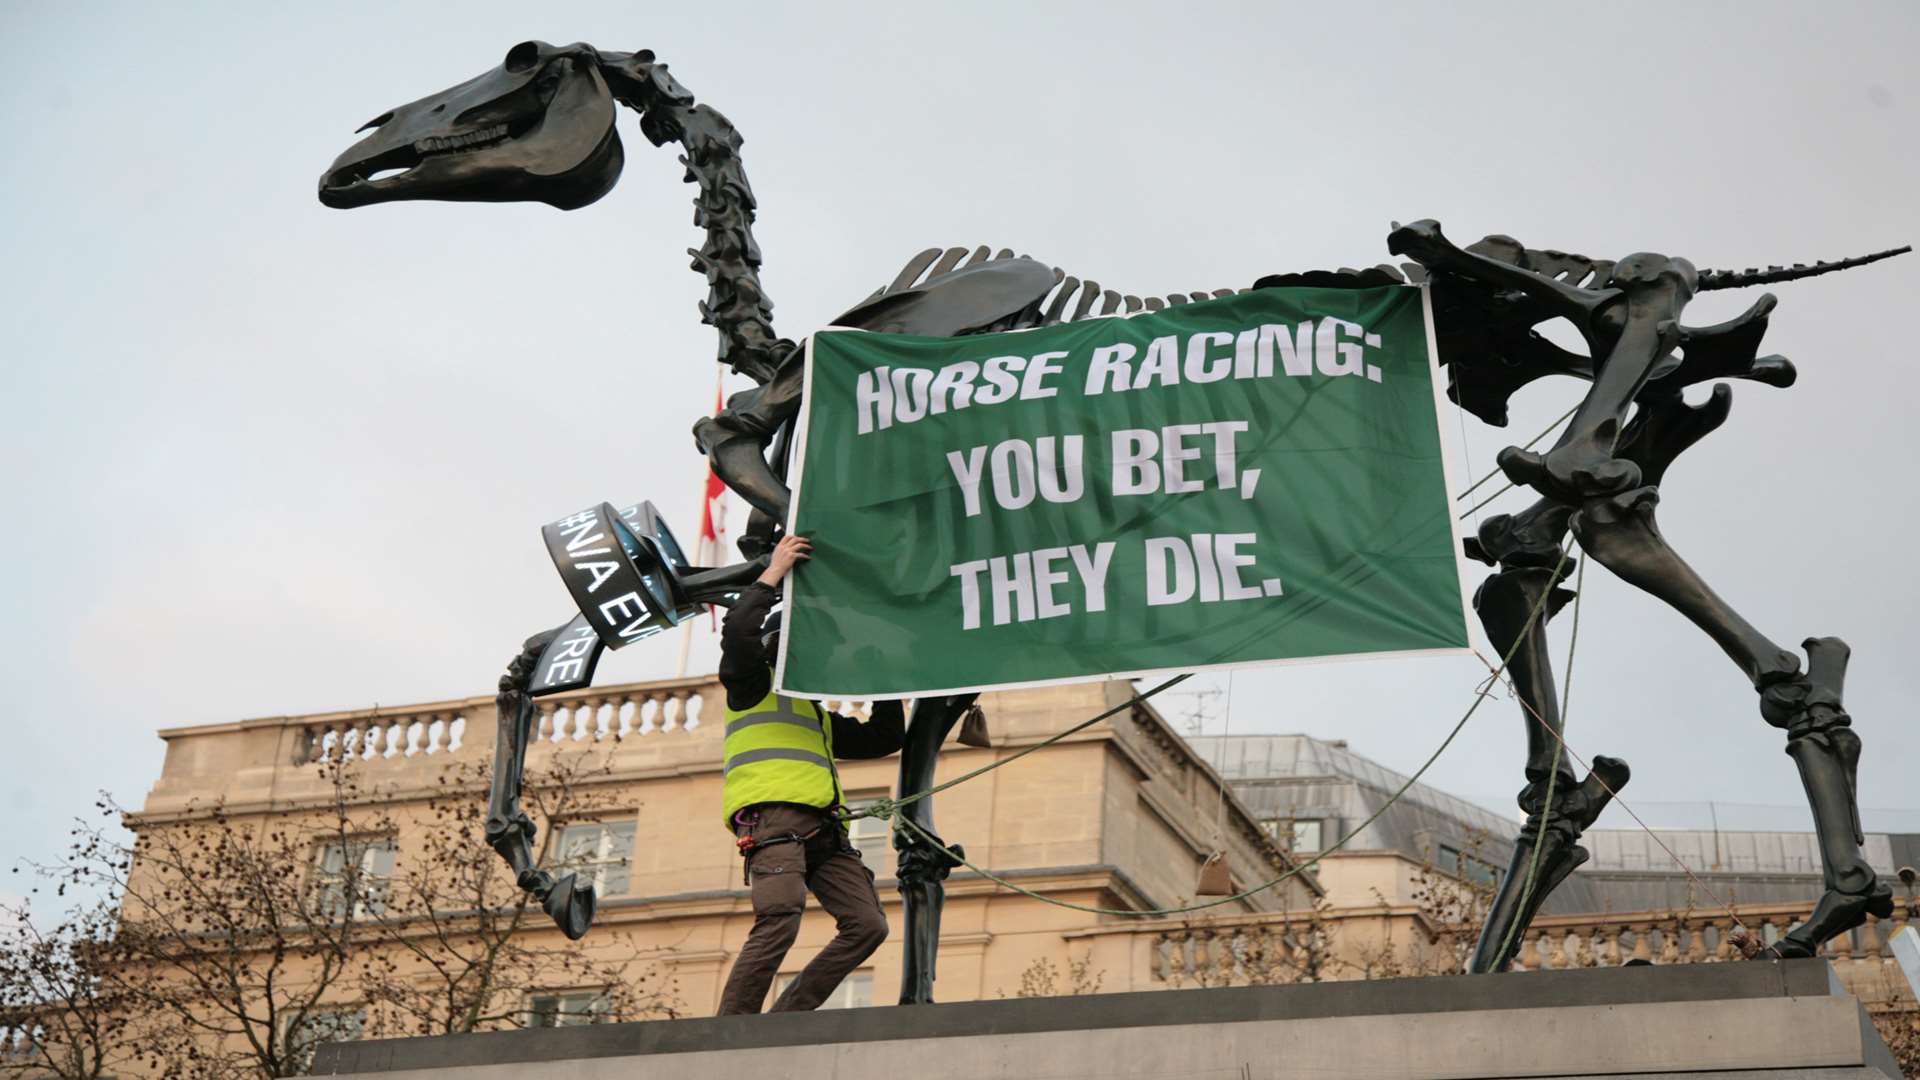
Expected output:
(781, 750)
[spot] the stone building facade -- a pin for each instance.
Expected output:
(1121, 816)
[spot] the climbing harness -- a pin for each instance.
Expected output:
(747, 845)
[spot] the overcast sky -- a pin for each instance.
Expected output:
(261, 457)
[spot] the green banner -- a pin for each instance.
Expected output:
(1251, 479)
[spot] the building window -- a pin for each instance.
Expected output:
(352, 876)
(854, 992)
(309, 1031)
(601, 852)
(1296, 836)
(873, 837)
(1306, 836)
(20, 1045)
(1451, 860)
(1479, 871)
(571, 1008)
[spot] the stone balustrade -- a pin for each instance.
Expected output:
(599, 715)
(1237, 950)
(848, 707)
(621, 712)
(641, 728)
(1566, 941)
(1299, 946)
(401, 733)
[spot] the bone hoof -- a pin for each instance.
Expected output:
(571, 903)
(1835, 914)
(1784, 949)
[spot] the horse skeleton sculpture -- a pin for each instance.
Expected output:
(540, 127)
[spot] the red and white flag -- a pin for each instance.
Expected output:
(713, 519)
(711, 548)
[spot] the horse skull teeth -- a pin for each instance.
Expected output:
(441, 143)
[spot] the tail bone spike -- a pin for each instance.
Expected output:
(1730, 279)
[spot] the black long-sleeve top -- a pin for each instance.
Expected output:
(747, 673)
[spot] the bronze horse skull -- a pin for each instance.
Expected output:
(539, 127)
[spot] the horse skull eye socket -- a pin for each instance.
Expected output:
(523, 56)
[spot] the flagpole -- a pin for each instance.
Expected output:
(686, 646)
(706, 510)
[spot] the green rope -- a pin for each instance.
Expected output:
(1559, 747)
(1476, 507)
(886, 807)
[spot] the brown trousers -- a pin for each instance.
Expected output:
(781, 874)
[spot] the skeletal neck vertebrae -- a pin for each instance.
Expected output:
(736, 305)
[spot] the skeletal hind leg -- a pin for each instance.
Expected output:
(923, 866)
(1621, 533)
(1821, 741)
(1533, 566)
(1514, 606)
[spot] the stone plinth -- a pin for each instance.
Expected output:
(1735, 1021)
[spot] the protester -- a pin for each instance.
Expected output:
(782, 795)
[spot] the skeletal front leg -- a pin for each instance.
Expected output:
(737, 439)
(509, 830)
(923, 866)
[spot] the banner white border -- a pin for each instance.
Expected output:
(1449, 447)
(1448, 450)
